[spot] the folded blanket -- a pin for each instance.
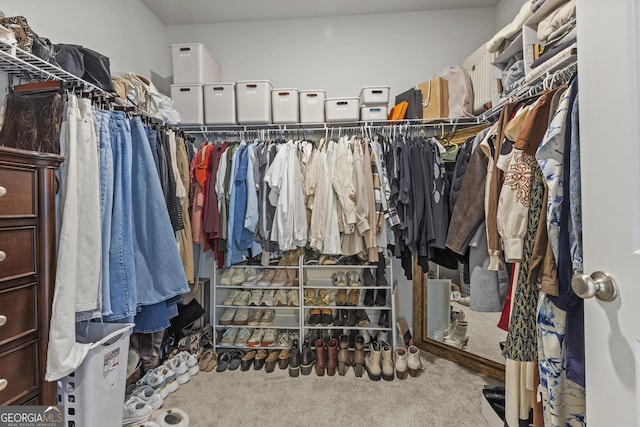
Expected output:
(556, 19)
(510, 29)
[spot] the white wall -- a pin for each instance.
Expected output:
(124, 30)
(342, 54)
(506, 10)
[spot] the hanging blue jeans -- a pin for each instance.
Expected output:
(122, 277)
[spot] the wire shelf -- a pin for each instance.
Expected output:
(16, 62)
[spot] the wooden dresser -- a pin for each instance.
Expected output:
(27, 274)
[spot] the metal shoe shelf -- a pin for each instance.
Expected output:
(295, 318)
(286, 318)
(320, 277)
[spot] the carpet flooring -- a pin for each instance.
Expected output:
(443, 395)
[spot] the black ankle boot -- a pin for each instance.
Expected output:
(308, 358)
(351, 318)
(368, 298)
(383, 321)
(381, 297)
(294, 359)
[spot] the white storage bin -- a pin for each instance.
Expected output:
(342, 109)
(220, 104)
(253, 102)
(312, 106)
(188, 100)
(374, 95)
(373, 113)
(94, 393)
(285, 105)
(193, 63)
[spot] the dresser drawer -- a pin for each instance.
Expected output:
(17, 312)
(17, 192)
(19, 370)
(17, 247)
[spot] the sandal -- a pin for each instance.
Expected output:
(339, 279)
(354, 278)
(310, 297)
(208, 361)
(223, 362)
(236, 357)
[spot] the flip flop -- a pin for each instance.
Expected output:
(236, 358)
(223, 362)
(208, 361)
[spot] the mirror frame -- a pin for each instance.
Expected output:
(472, 361)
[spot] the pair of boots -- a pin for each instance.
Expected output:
(379, 362)
(326, 357)
(149, 347)
(408, 360)
(457, 334)
(380, 298)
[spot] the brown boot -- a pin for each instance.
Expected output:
(358, 356)
(332, 363)
(343, 355)
(321, 357)
(156, 342)
(144, 344)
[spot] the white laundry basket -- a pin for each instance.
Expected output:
(94, 394)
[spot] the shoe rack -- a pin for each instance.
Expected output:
(287, 317)
(320, 281)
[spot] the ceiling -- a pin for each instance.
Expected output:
(172, 12)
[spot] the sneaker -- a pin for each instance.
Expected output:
(267, 298)
(231, 296)
(293, 298)
(241, 317)
(171, 385)
(181, 369)
(269, 337)
(280, 299)
(256, 338)
(229, 337)
(251, 276)
(284, 340)
(267, 318)
(150, 396)
(173, 417)
(256, 297)
(254, 317)
(266, 278)
(225, 277)
(135, 411)
(227, 316)
(242, 298)
(153, 379)
(191, 360)
(237, 277)
(243, 337)
(280, 278)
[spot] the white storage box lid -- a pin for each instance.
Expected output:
(348, 98)
(219, 84)
(191, 45)
(242, 82)
(313, 91)
(291, 91)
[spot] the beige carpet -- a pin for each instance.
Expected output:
(443, 395)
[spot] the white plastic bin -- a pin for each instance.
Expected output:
(375, 113)
(374, 95)
(312, 106)
(285, 106)
(188, 100)
(342, 109)
(94, 394)
(220, 104)
(253, 102)
(193, 63)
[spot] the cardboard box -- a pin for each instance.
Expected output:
(435, 98)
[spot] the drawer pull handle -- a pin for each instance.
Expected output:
(3, 384)
(3, 191)
(3, 320)
(3, 256)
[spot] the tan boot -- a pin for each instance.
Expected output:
(401, 363)
(413, 361)
(387, 362)
(358, 356)
(372, 362)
